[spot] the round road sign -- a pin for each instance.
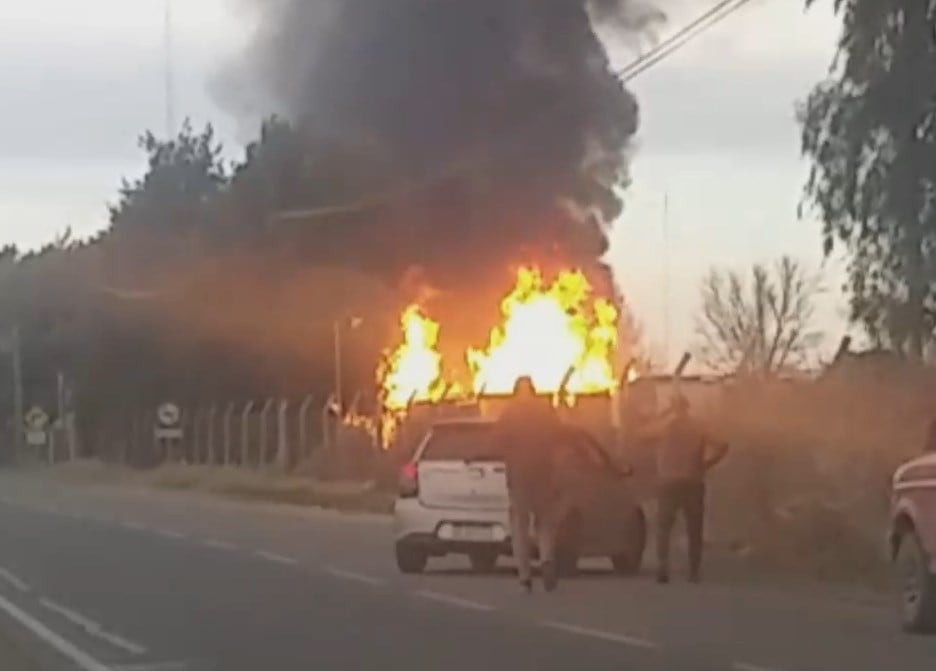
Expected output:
(36, 419)
(168, 414)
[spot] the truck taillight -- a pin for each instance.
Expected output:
(409, 480)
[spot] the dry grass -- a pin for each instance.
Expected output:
(806, 487)
(266, 486)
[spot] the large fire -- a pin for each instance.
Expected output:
(551, 334)
(557, 334)
(413, 372)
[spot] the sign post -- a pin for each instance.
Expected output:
(168, 431)
(18, 417)
(35, 429)
(36, 425)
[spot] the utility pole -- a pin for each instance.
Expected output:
(63, 422)
(169, 83)
(337, 325)
(17, 395)
(338, 397)
(60, 396)
(666, 281)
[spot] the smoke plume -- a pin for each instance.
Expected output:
(500, 122)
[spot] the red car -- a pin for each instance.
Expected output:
(913, 540)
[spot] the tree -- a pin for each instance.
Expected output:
(869, 130)
(183, 177)
(762, 327)
(271, 176)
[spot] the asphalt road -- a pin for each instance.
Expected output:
(107, 579)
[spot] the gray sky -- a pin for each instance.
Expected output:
(82, 79)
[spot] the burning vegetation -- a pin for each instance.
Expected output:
(413, 372)
(558, 333)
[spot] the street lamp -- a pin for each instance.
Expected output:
(353, 323)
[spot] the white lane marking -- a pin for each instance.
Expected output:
(93, 628)
(745, 666)
(13, 580)
(453, 600)
(133, 526)
(79, 657)
(354, 576)
(168, 533)
(623, 639)
(218, 544)
(152, 666)
(279, 559)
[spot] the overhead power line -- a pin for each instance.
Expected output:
(681, 38)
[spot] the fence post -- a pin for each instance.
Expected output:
(128, 443)
(261, 452)
(245, 432)
(326, 430)
(144, 438)
(71, 436)
(210, 437)
(158, 447)
(133, 454)
(303, 412)
(228, 416)
(282, 456)
(50, 448)
(196, 436)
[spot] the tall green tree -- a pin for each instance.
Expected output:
(869, 130)
(270, 177)
(184, 175)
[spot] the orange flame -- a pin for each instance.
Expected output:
(413, 372)
(554, 334)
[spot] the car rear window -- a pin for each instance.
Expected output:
(460, 442)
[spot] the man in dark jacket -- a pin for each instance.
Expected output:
(684, 455)
(527, 432)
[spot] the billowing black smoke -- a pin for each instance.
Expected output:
(498, 125)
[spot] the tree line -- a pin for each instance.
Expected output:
(194, 293)
(201, 289)
(222, 280)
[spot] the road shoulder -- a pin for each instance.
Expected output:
(14, 655)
